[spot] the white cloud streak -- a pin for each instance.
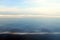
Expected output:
(28, 16)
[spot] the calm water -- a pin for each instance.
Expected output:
(30, 24)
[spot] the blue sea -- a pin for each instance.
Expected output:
(32, 25)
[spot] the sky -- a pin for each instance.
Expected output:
(38, 7)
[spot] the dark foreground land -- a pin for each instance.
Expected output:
(29, 37)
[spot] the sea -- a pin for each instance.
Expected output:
(36, 28)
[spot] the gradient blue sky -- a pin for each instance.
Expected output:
(42, 7)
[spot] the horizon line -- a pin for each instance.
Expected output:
(23, 16)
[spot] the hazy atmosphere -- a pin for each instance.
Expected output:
(34, 15)
(39, 7)
(31, 16)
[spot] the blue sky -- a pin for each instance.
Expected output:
(44, 7)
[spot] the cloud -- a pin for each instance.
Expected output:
(9, 9)
(44, 7)
(28, 16)
(40, 10)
